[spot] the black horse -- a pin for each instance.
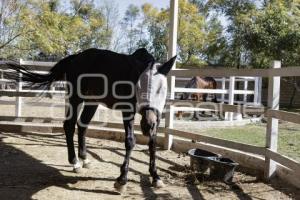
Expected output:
(130, 83)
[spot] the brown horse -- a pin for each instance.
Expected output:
(198, 83)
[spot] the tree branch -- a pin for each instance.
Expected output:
(10, 40)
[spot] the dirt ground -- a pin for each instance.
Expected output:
(34, 166)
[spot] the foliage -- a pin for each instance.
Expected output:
(10, 26)
(46, 32)
(274, 34)
(156, 22)
(260, 31)
(130, 27)
(191, 35)
(195, 37)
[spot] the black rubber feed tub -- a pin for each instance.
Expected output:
(223, 168)
(216, 166)
(200, 159)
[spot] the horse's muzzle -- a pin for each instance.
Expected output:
(149, 122)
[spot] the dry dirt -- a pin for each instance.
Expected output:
(34, 166)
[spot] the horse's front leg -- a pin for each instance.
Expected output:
(156, 181)
(128, 120)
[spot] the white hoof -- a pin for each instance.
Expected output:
(120, 188)
(86, 163)
(158, 184)
(77, 167)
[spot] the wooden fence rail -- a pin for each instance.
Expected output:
(227, 72)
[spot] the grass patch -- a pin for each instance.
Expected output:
(291, 109)
(288, 141)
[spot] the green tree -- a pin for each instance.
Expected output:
(129, 24)
(273, 34)
(215, 44)
(11, 27)
(192, 32)
(260, 31)
(110, 12)
(191, 35)
(237, 12)
(96, 20)
(156, 22)
(52, 33)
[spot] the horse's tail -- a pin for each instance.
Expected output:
(35, 80)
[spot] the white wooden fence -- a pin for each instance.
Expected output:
(227, 90)
(223, 90)
(271, 111)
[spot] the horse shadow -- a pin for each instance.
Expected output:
(22, 176)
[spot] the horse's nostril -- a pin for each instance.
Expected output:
(153, 126)
(150, 126)
(148, 122)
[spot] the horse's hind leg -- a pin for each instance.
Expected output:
(69, 128)
(179, 115)
(85, 118)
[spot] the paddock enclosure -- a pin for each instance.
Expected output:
(33, 151)
(35, 158)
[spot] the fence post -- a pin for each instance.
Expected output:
(18, 105)
(169, 119)
(256, 91)
(223, 88)
(2, 82)
(171, 80)
(272, 123)
(259, 90)
(229, 115)
(245, 97)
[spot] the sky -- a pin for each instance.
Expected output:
(123, 4)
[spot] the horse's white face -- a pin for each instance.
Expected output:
(151, 94)
(151, 89)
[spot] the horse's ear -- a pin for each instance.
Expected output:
(165, 68)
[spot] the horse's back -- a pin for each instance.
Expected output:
(100, 61)
(206, 82)
(95, 72)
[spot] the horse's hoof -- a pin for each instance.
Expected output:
(77, 167)
(120, 188)
(77, 170)
(86, 164)
(158, 184)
